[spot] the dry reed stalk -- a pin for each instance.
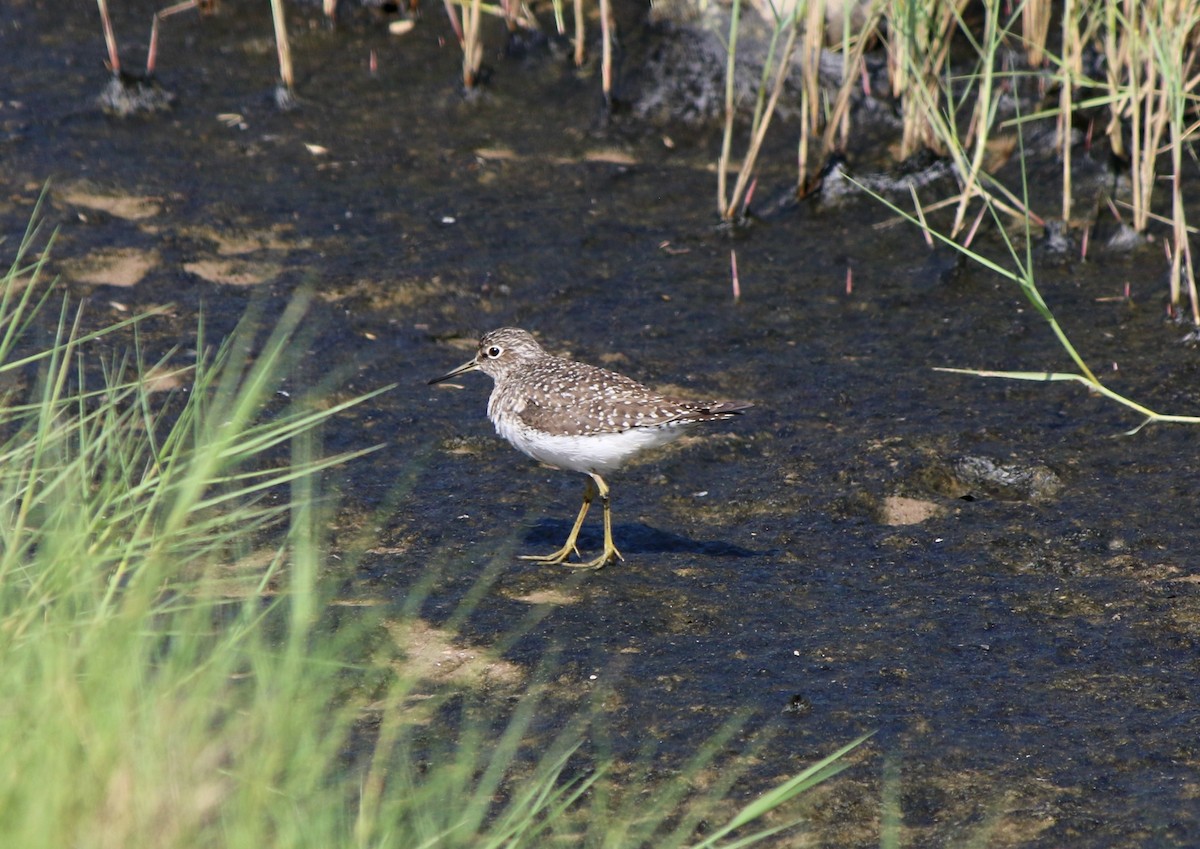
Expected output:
(899, 64)
(852, 69)
(970, 237)
(1115, 58)
(282, 46)
(455, 23)
(1153, 216)
(468, 29)
(733, 269)
(1175, 52)
(606, 55)
(472, 45)
(762, 120)
(735, 13)
(579, 34)
(802, 148)
(982, 118)
(810, 59)
(851, 44)
(1147, 131)
(1013, 207)
(810, 90)
(1071, 71)
(1190, 268)
(1000, 197)
(1035, 26)
(1150, 112)
(921, 221)
(110, 38)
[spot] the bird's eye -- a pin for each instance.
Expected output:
(494, 351)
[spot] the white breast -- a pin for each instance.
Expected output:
(600, 453)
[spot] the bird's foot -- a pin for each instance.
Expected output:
(609, 554)
(559, 556)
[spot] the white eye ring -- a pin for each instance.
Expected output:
(494, 351)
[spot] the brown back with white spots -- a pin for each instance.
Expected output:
(561, 396)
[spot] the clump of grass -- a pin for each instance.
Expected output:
(853, 44)
(952, 106)
(733, 205)
(920, 33)
(1172, 37)
(145, 686)
(1021, 271)
(175, 673)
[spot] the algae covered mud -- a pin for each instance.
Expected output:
(987, 572)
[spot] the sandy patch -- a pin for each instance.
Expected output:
(233, 272)
(901, 510)
(129, 207)
(240, 242)
(432, 654)
(546, 597)
(112, 267)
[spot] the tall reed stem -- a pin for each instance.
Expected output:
(282, 46)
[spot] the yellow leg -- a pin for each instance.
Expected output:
(595, 486)
(560, 556)
(610, 552)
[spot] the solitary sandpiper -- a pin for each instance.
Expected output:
(579, 417)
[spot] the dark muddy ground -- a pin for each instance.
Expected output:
(835, 562)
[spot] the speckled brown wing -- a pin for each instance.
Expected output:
(577, 399)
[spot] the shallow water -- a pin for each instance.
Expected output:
(832, 561)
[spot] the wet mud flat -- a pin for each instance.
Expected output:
(989, 573)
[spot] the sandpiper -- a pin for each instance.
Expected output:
(575, 416)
